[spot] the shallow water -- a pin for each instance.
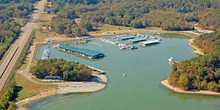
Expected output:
(145, 67)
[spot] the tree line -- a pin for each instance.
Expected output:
(200, 73)
(68, 70)
(167, 14)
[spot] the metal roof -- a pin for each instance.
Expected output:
(137, 39)
(127, 37)
(80, 50)
(150, 41)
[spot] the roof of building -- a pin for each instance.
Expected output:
(137, 39)
(127, 37)
(52, 77)
(80, 50)
(150, 41)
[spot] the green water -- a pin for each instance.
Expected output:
(140, 89)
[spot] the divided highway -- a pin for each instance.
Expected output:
(10, 60)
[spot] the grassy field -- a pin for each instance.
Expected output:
(28, 88)
(47, 17)
(19, 21)
(107, 28)
(42, 35)
(175, 35)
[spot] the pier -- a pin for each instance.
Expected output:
(95, 69)
(126, 38)
(97, 44)
(152, 42)
(46, 54)
(137, 40)
(121, 45)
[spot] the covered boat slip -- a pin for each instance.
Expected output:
(126, 38)
(81, 51)
(137, 40)
(150, 42)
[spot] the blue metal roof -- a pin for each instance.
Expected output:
(137, 39)
(127, 37)
(80, 50)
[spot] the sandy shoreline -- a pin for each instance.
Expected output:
(73, 89)
(196, 49)
(203, 92)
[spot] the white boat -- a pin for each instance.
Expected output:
(46, 54)
(124, 75)
(171, 60)
(77, 62)
(122, 48)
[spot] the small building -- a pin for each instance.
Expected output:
(126, 38)
(137, 40)
(81, 51)
(52, 79)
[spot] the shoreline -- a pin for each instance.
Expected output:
(178, 90)
(195, 49)
(20, 105)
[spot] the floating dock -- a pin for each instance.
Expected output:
(151, 42)
(137, 40)
(126, 38)
(81, 51)
(95, 69)
(46, 54)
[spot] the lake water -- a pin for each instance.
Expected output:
(145, 67)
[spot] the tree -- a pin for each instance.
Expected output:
(183, 82)
(67, 75)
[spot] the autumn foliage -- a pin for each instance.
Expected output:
(201, 73)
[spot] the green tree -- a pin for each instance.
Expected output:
(183, 82)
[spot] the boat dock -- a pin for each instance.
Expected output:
(95, 69)
(137, 40)
(121, 45)
(97, 44)
(151, 42)
(46, 54)
(126, 38)
(81, 51)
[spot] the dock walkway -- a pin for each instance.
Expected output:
(95, 69)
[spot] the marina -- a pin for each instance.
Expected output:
(140, 89)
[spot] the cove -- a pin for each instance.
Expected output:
(145, 67)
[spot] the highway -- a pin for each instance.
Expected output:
(10, 60)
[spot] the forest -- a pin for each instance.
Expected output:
(9, 29)
(200, 73)
(64, 23)
(168, 14)
(68, 70)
